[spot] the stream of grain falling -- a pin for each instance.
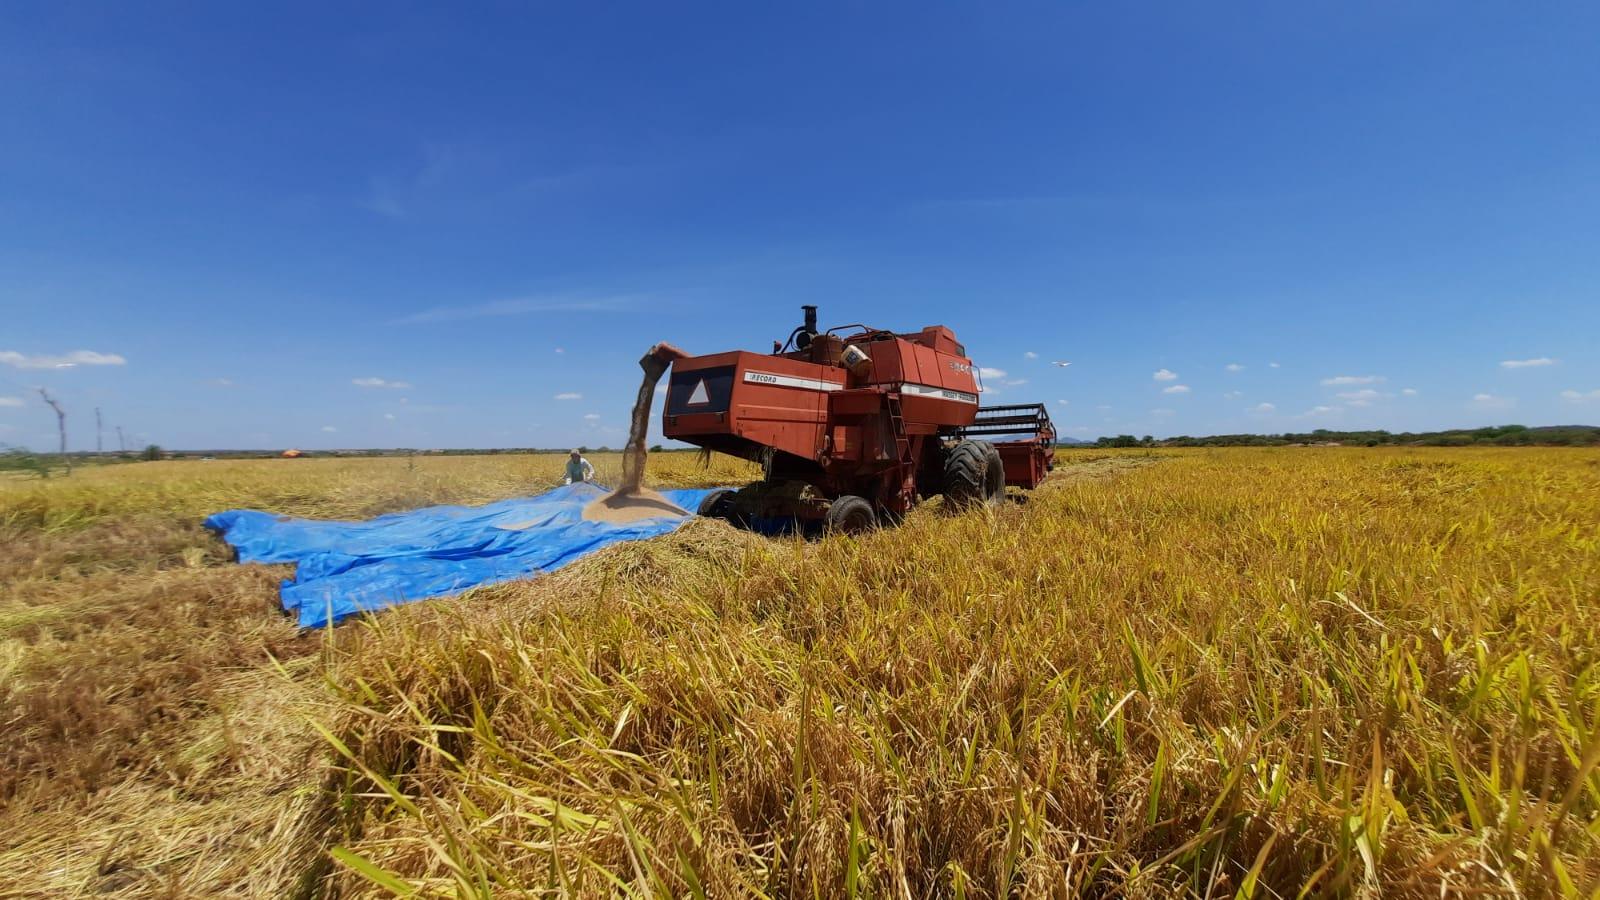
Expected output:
(631, 501)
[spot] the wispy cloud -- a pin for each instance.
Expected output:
(443, 169)
(1165, 375)
(1573, 396)
(380, 383)
(1029, 354)
(569, 395)
(329, 429)
(1409, 392)
(1527, 363)
(389, 416)
(1233, 395)
(593, 417)
(64, 361)
(15, 402)
(1064, 402)
(988, 372)
(1234, 367)
(1163, 413)
(1015, 382)
(1272, 365)
(1492, 401)
(1176, 389)
(1354, 379)
(1363, 397)
(520, 306)
(1317, 412)
(1264, 408)
(222, 382)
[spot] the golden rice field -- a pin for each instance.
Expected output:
(1273, 672)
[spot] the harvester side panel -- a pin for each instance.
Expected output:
(770, 402)
(936, 389)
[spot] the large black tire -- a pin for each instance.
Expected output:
(974, 475)
(851, 515)
(718, 504)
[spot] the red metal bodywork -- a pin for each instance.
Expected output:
(873, 430)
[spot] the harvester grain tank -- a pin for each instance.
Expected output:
(852, 425)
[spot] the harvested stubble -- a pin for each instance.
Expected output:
(1334, 671)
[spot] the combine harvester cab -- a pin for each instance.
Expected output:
(852, 425)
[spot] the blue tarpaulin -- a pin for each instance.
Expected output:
(344, 568)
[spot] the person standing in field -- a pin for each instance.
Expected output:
(578, 469)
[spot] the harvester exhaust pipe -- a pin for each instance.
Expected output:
(806, 332)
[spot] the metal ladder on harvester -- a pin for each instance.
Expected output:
(897, 427)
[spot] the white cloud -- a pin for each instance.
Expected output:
(329, 429)
(379, 383)
(17, 401)
(1527, 363)
(1264, 408)
(1064, 402)
(389, 416)
(988, 373)
(1363, 397)
(1490, 401)
(1015, 382)
(1234, 367)
(1354, 379)
(569, 395)
(1165, 375)
(1176, 389)
(1409, 392)
(1233, 395)
(64, 361)
(1272, 365)
(593, 417)
(661, 390)
(561, 349)
(1320, 411)
(222, 382)
(1574, 396)
(1030, 355)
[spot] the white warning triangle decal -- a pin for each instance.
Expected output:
(699, 396)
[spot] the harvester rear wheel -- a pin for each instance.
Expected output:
(718, 504)
(851, 515)
(974, 475)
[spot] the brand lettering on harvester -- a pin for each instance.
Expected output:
(961, 367)
(928, 390)
(810, 384)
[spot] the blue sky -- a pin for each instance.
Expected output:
(389, 225)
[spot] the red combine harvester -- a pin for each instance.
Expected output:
(851, 426)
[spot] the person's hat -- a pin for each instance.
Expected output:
(575, 453)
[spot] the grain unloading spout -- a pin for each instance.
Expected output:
(658, 358)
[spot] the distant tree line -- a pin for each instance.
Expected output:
(1498, 435)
